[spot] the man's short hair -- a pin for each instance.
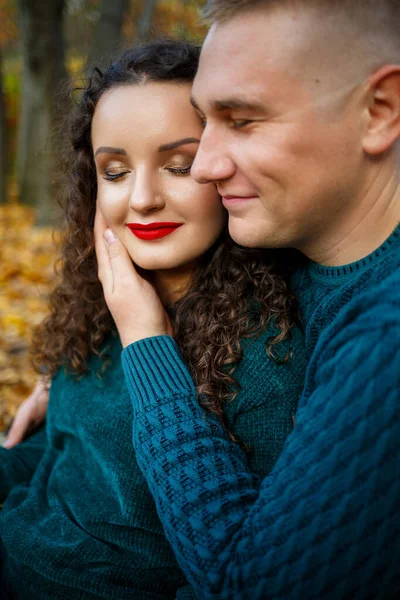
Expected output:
(221, 10)
(377, 18)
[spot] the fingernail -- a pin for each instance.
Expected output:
(6, 444)
(109, 236)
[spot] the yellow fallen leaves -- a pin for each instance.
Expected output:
(27, 256)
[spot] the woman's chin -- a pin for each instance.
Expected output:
(161, 264)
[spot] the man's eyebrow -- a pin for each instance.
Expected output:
(232, 104)
(237, 103)
(178, 143)
(110, 150)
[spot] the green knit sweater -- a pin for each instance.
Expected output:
(78, 520)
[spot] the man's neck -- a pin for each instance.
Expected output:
(371, 223)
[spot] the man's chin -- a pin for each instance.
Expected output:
(252, 237)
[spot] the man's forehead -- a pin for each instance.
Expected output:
(249, 46)
(253, 52)
(229, 76)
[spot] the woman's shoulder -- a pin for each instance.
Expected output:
(100, 364)
(267, 374)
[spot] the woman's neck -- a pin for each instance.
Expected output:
(173, 284)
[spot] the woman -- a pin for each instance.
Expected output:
(78, 520)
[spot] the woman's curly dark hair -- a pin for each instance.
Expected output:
(213, 316)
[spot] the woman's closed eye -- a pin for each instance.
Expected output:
(180, 170)
(113, 175)
(180, 165)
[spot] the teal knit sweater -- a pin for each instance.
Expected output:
(325, 524)
(78, 520)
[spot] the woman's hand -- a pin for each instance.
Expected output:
(132, 301)
(30, 414)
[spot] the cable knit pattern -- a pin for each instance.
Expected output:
(78, 520)
(325, 524)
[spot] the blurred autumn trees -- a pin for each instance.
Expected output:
(43, 74)
(44, 46)
(3, 138)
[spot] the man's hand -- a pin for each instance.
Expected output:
(30, 414)
(132, 301)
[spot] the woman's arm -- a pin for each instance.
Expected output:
(18, 464)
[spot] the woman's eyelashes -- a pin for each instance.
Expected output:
(114, 173)
(112, 170)
(180, 170)
(112, 176)
(109, 176)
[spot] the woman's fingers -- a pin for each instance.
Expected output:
(30, 414)
(21, 425)
(123, 271)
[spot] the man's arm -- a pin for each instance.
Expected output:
(18, 464)
(326, 522)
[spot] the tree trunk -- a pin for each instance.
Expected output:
(44, 75)
(3, 140)
(107, 37)
(145, 20)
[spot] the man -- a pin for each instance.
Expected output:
(301, 105)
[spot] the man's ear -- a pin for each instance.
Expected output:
(383, 110)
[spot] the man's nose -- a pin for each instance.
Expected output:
(145, 195)
(212, 162)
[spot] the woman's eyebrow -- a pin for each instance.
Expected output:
(110, 150)
(178, 143)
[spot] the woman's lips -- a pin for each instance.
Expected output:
(152, 231)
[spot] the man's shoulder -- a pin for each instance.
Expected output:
(354, 332)
(380, 293)
(370, 319)
(384, 269)
(358, 353)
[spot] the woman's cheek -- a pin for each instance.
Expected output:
(112, 207)
(209, 206)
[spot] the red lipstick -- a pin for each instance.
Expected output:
(152, 231)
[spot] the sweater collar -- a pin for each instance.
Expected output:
(356, 268)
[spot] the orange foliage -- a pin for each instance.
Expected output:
(27, 257)
(172, 18)
(176, 18)
(8, 20)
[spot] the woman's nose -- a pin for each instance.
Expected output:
(145, 195)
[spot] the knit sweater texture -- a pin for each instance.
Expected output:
(78, 520)
(325, 523)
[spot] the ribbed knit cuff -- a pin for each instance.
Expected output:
(154, 370)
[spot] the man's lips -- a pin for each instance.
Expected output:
(230, 200)
(152, 231)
